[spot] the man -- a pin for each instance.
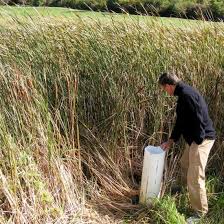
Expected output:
(194, 124)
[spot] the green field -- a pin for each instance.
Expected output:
(65, 13)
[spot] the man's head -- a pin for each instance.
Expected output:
(168, 82)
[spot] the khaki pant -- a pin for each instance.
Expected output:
(193, 163)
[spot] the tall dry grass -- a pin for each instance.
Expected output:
(78, 103)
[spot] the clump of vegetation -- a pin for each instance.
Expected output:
(165, 211)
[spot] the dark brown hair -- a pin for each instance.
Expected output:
(168, 78)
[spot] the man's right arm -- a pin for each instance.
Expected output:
(175, 135)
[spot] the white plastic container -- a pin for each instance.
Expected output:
(152, 173)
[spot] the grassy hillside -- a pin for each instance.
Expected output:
(66, 14)
(79, 101)
(196, 9)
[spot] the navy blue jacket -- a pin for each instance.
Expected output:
(193, 121)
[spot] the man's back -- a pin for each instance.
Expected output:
(192, 114)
